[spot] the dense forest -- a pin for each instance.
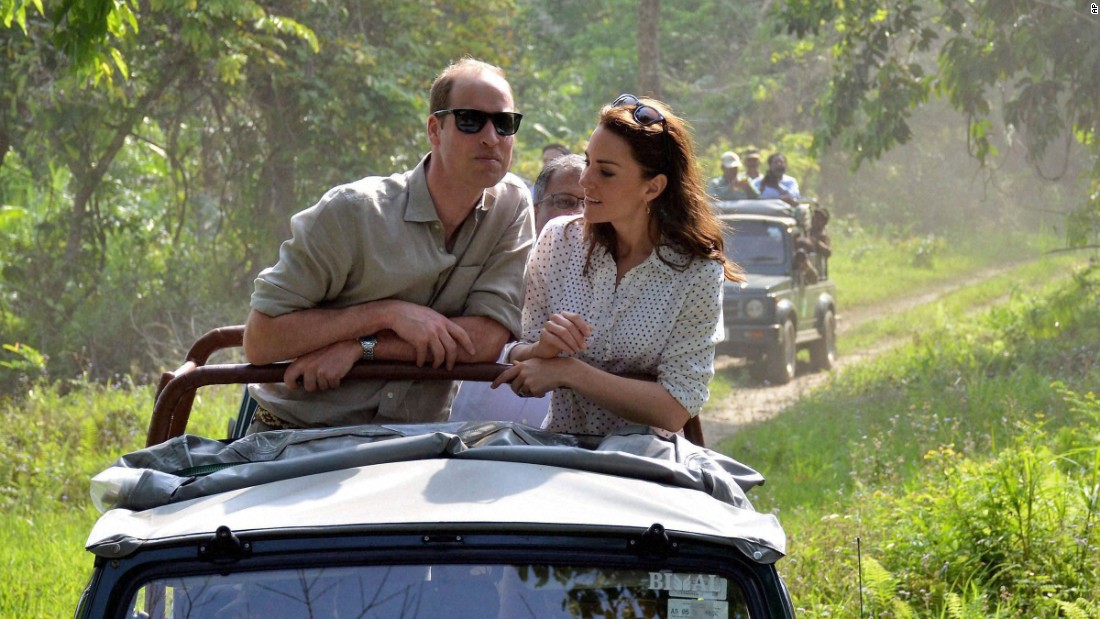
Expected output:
(152, 152)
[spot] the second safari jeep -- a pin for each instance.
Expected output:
(787, 301)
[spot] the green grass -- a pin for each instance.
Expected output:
(870, 268)
(56, 439)
(1022, 280)
(964, 467)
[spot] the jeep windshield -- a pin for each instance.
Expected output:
(452, 591)
(757, 246)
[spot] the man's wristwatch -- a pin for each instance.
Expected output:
(368, 342)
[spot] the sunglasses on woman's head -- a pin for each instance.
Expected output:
(471, 121)
(644, 115)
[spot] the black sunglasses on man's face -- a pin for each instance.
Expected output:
(471, 121)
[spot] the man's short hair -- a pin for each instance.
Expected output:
(439, 97)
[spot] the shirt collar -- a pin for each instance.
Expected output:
(653, 261)
(421, 208)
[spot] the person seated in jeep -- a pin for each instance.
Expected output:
(634, 286)
(732, 185)
(776, 183)
(804, 269)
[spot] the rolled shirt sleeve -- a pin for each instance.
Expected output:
(381, 238)
(687, 361)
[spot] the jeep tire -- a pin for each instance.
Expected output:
(780, 362)
(823, 351)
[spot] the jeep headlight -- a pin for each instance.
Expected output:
(754, 308)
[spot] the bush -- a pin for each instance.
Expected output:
(1020, 527)
(969, 473)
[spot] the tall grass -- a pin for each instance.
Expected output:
(873, 266)
(55, 439)
(967, 463)
(1035, 277)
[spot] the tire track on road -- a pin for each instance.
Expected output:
(756, 403)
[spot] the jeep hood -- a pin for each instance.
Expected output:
(756, 284)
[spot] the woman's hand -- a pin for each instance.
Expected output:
(536, 377)
(565, 332)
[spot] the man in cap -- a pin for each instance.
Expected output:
(731, 185)
(752, 165)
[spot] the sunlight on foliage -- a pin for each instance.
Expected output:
(971, 476)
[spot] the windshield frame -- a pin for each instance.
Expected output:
(741, 230)
(764, 592)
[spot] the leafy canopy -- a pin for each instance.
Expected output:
(1036, 62)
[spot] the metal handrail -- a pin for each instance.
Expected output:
(176, 392)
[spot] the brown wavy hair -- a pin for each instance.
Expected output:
(682, 217)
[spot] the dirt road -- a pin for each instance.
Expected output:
(753, 403)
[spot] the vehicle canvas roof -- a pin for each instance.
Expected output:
(770, 207)
(494, 476)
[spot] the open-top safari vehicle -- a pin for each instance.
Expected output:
(787, 301)
(465, 519)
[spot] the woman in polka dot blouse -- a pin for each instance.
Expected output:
(632, 286)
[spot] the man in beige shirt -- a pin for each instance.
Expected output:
(424, 266)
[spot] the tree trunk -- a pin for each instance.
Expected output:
(649, 48)
(277, 199)
(87, 176)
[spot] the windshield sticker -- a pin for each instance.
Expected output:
(697, 609)
(698, 586)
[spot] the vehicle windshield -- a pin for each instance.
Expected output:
(437, 591)
(751, 244)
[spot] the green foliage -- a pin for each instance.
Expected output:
(44, 562)
(1016, 524)
(871, 265)
(1036, 57)
(971, 604)
(1080, 608)
(57, 436)
(969, 475)
(924, 250)
(23, 364)
(86, 32)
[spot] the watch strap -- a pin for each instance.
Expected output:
(368, 342)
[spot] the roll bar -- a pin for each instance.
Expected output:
(175, 393)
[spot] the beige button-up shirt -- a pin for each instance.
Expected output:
(380, 238)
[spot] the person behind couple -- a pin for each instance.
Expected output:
(557, 193)
(752, 165)
(633, 286)
(424, 266)
(552, 151)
